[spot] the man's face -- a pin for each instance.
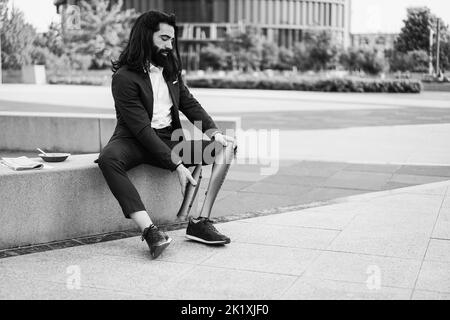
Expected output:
(162, 44)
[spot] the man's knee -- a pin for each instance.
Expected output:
(108, 160)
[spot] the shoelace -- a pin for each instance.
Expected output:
(209, 224)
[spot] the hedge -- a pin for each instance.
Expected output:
(324, 85)
(274, 83)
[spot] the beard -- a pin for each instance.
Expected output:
(158, 58)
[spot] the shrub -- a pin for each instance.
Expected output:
(213, 57)
(302, 84)
(413, 61)
(363, 59)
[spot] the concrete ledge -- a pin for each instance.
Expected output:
(73, 132)
(72, 200)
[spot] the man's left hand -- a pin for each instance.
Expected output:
(223, 139)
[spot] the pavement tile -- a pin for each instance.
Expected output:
(254, 257)
(416, 179)
(442, 228)
(406, 203)
(321, 289)
(100, 271)
(328, 193)
(295, 237)
(295, 180)
(434, 276)
(242, 202)
(360, 268)
(358, 180)
(439, 171)
(180, 250)
(380, 168)
(384, 243)
(430, 295)
(336, 217)
(438, 250)
(279, 189)
(213, 283)
(18, 289)
(313, 169)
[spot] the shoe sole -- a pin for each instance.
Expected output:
(206, 241)
(159, 249)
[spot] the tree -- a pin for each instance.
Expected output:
(103, 32)
(245, 48)
(285, 59)
(413, 61)
(323, 50)
(17, 38)
(213, 57)
(317, 52)
(370, 61)
(269, 55)
(415, 35)
(52, 40)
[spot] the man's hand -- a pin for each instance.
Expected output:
(185, 177)
(223, 139)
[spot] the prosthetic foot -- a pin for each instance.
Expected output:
(190, 194)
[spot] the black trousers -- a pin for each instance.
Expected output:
(123, 154)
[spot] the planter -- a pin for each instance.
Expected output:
(34, 74)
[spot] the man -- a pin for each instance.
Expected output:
(149, 92)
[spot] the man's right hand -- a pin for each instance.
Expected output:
(185, 176)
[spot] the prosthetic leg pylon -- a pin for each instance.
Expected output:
(218, 174)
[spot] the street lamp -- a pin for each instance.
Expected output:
(438, 40)
(430, 53)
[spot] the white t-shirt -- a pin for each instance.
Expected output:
(162, 102)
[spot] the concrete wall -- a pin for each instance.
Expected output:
(74, 133)
(73, 200)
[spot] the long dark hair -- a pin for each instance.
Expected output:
(138, 50)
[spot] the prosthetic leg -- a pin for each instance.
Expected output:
(190, 194)
(218, 174)
(219, 171)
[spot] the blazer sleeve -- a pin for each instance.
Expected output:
(192, 109)
(136, 118)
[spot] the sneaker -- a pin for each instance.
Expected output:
(156, 240)
(202, 230)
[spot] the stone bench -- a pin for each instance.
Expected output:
(74, 133)
(72, 199)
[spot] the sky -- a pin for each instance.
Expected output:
(367, 15)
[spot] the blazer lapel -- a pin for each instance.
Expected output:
(174, 94)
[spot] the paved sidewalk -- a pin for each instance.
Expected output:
(383, 245)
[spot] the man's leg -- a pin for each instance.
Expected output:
(201, 228)
(190, 194)
(115, 160)
(222, 163)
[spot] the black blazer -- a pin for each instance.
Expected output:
(133, 97)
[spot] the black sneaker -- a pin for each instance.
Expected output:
(202, 230)
(156, 240)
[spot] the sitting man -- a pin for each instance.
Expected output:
(149, 92)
